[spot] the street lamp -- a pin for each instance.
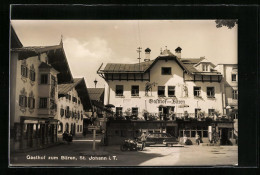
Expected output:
(95, 81)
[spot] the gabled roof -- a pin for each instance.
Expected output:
(205, 61)
(45, 65)
(135, 68)
(15, 41)
(95, 93)
(56, 58)
(127, 68)
(80, 86)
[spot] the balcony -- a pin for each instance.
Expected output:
(170, 117)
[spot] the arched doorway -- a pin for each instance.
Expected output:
(67, 127)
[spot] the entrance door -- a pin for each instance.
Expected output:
(43, 133)
(224, 136)
(171, 130)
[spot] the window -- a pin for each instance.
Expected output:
(79, 102)
(43, 103)
(32, 75)
(211, 112)
(135, 111)
(44, 78)
(234, 77)
(161, 90)
(77, 128)
(119, 90)
(22, 101)
(197, 91)
(204, 67)
(61, 112)
(31, 102)
(135, 91)
(67, 112)
(234, 94)
(119, 111)
(197, 110)
(166, 70)
(171, 91)
(24, 70)
(210, 92)
(74, 99)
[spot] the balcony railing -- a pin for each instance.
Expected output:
(168, 117)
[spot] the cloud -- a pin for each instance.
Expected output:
(85, 57)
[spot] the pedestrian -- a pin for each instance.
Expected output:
(143, 139)
(198, 139)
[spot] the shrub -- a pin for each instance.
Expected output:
(188, 142)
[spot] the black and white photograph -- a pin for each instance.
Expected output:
(140, 93)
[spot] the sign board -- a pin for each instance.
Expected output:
(93, 127)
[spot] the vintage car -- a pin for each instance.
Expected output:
(160, 138)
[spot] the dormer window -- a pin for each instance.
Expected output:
(205, 67)
(166, 70)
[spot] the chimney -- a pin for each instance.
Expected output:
(178, 52)
(147, 54)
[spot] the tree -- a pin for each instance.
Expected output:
(228, 23)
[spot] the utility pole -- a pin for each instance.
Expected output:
(139, 58)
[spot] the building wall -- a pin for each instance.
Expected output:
(25, 132)
(227, 70)
(63, 103)
(152, 102)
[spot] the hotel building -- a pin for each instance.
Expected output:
(167, 88)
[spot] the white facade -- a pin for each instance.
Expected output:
(230, 83)
(27, 115)
(176, 79)
(72, 120)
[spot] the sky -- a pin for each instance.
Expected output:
(89, 43)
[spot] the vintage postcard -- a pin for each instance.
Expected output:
(123, 93)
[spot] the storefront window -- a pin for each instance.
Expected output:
(187, 133)
(193, 133)
(205, 133)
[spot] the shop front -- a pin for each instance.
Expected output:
(34, 132)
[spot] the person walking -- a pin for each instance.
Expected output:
(198, 139)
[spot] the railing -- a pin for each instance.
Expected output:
(169, 117)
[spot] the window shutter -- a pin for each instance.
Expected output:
(33, 103)
(29, 102)
(25, 101)
(20, 100)
(21, 69)
(26, 72)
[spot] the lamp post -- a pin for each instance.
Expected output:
(95, 82)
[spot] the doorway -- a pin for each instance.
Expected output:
(224, 136)
(171, 130)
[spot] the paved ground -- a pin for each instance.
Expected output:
(80, 151)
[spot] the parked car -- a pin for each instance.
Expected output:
(161, 138)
